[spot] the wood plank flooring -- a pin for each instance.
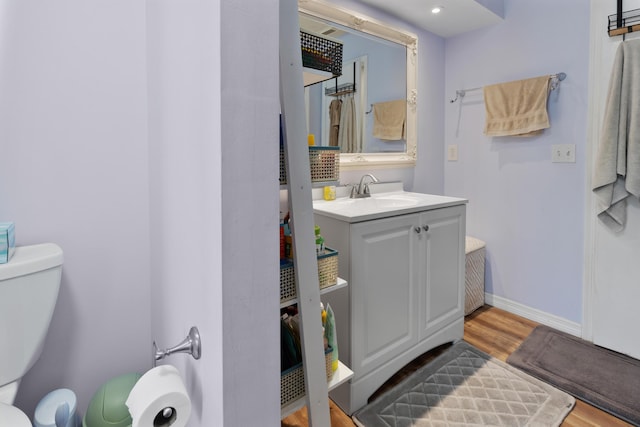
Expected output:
(496, 332)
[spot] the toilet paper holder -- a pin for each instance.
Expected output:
(190, 345)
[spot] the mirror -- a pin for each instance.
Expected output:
(374, 53)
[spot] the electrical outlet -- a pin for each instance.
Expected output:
(563, 153)
(452, 153)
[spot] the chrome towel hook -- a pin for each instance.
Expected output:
(190, 345)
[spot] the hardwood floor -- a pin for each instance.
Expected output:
(496, 332)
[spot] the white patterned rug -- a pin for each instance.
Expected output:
(466, 387)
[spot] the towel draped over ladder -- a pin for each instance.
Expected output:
(617, 167)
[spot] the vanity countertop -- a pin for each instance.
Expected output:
(382, 205)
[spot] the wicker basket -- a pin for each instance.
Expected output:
(321, 53)
(474, 274)
(324, 164)
(327, 274)
(292, 385)
(283, 168)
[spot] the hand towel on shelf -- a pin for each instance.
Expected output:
(389, 120)
(517, 108)
(617, 166)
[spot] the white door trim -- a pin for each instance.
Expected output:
(594, 115)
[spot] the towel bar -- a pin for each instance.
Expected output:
(555, 82)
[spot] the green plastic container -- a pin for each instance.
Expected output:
(107, 407)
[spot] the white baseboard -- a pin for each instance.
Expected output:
(534, 314)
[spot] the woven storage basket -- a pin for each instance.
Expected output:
(474, 274)
(327, 274)
(321, 53)
(292, 386)
(283, 169)
(324, 164)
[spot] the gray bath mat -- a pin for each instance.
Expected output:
(605, 379)
(466, 387)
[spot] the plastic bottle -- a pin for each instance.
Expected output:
(288, 239)
(329, 192)
(319, 241)
(282, 252)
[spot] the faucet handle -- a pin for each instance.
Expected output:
(354, 192)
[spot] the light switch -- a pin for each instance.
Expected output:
(452, 153)
(563, 153)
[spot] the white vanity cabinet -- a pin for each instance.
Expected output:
(384, 262)
(406, 293)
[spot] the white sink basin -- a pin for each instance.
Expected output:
(381, 205)
(395, 200)
(381, 201)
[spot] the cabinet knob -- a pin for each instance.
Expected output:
(425, 227)
(418, 230)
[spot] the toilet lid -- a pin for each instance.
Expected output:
(12, 416)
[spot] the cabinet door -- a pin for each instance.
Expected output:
(441, 283)
(383, 291)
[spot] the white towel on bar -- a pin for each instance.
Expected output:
(617, 166)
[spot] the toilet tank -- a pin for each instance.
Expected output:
(29, 285)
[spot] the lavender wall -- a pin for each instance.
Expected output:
(250, 107)
(529, 211)
(183, 62)
(213, 132)
(76, 172)
(111, 113)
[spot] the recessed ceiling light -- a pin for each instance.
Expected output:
(437, 9)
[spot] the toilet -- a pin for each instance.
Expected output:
(12, 416)
(29, 285)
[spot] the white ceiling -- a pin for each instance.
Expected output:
(317, 26)
(457, 16)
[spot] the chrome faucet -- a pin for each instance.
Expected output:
(362, 190)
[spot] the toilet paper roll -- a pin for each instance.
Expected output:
(159, 399)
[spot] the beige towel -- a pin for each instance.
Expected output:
(348, 131)
(334, 121)
(617, 166)
(389, 120)
(517, 108)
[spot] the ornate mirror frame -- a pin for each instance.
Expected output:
(367, 25)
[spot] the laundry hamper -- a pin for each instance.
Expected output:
(474, 274)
